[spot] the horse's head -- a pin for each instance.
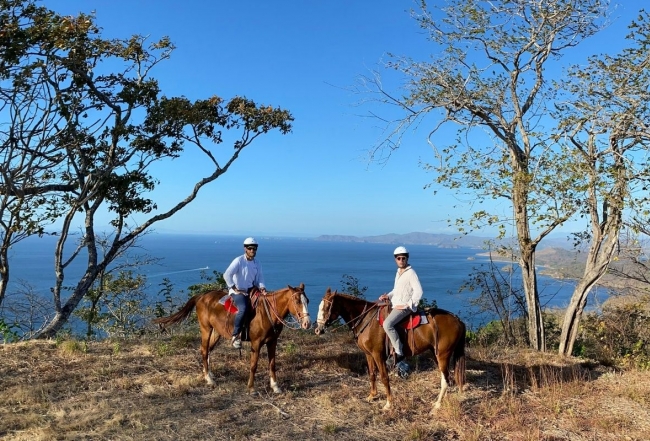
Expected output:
(298, 306)
(327, 313)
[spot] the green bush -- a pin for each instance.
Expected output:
(619, 335)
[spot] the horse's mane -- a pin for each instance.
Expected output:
(351, 297)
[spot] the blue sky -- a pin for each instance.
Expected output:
(303, 56)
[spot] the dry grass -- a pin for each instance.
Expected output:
(153, 390)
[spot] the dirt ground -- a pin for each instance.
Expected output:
(153, 389)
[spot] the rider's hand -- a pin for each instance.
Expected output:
(383, 297)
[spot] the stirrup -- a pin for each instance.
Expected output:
(236, 342)
(402, 369)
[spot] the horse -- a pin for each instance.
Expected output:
(444, 335)
(268, 318)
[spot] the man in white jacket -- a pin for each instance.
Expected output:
(404, 299)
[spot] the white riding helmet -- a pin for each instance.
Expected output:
(250, 241)
(400, 250)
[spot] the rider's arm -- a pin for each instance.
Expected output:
(260, 277)
(229, 276)
(417, 291)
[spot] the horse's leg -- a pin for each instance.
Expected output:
(255, 356)
(443, 365)
(270, 349)
(372, 372)
(206, 347)
(383, 375)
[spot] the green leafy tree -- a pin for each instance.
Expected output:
(113, 289)
(30, 122)
(605, 118)
(116, 306)
(488, 78)
(350, 285)
(114, 126)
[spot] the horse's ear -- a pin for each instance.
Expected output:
(302, 286)
(291, 287)
(329, 290)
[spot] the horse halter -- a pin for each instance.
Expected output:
(324, 322)
(298, 303)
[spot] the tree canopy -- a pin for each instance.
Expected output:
(82, 122)
(521, 136)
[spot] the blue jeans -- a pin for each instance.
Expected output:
(242, 302)
(395, 316)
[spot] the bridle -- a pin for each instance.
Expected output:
(298, 297)
(353, 323)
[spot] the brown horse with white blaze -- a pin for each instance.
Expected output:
(268, 320)
(443, 334)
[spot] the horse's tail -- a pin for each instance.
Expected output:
(459, 357)
(180, 315)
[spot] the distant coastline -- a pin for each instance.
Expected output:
(437, 240)
(415, 238)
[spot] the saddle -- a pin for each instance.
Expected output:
(254, 295)
(412, 321)
(409, 323)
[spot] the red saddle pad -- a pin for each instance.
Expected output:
(228, 304)
(410, 322)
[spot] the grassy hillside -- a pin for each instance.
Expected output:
(152, 389)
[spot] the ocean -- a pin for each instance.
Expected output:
(291, 261)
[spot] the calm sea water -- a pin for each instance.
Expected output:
(291, 261)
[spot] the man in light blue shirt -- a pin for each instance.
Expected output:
(243, 273)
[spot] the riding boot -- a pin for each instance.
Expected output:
(392, 361)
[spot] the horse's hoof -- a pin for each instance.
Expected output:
(277, 390)
(371, 398)
(253, 393)
(387, 406)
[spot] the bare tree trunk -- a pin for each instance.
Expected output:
(536, 334)
(601, 251)
(63, 314)
(527, 247)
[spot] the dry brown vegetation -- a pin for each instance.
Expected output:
(152, 389)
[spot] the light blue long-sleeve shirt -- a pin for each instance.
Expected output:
(243, 274)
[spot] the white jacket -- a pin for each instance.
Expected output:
(407, 290)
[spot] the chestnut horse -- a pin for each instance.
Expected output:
(444, 335)
(266, 324)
